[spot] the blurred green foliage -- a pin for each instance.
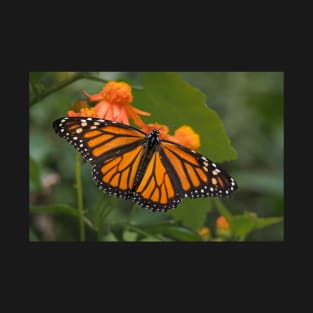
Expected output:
(239, 117)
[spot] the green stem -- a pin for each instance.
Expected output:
(101, 222)
(140, 231)
(131, 214)
(80, 199)
(63, 84)
(77, 76)
(55, 88)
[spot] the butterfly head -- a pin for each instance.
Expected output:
(154, 138)
(155, 133)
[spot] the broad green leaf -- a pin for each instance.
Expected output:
(55, 209)
(181, 233)
(171, 230)
(34, 174)
(241, 225)
(129, 235)
(110, 237)
(192, 212)
(174, 102)
(267, 221)
(222, 210)
(143, 216)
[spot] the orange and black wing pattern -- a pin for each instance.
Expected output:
(127, 163)
(159, 188)
(175, 172)
(197, 175)
(114, 149)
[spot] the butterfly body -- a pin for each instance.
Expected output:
(127, 163)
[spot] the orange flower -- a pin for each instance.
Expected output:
(163, 129)
(183, 135)
(186, 136)
(114, 103)
(222, 223)
(81, 108)
(204, 231)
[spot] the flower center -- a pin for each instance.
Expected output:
(118, 93)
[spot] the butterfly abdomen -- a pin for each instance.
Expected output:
(152, 141)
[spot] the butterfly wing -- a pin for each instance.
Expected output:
(114, 149)
(158, 189)
(174, 172)
(197, 175)
(116, 175)
(118, 153)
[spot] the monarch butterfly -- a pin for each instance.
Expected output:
(128, 163)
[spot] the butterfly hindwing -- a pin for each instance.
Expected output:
(116, 175)
(157, 189)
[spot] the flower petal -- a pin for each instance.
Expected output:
(101, 108)
(109, 114)
(116, 113)
(124, 118)
(139, 111)
(187, 137)
(72, 113)
(133, 115)
(95, 97)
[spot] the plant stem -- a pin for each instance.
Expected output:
(80, 199)
(56, 87)
(77, 76)
(131, 213)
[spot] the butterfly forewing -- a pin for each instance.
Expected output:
(96, 138)
(198, 176)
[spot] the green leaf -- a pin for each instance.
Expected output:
(55, 209)
(242, 225)
(182, 234)
(223, 211)
(267, 221)
(34, 174)
(60, 209)
(174, 102)
(129, 235)
(110, 237)
(171, 230)
(192, 212)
